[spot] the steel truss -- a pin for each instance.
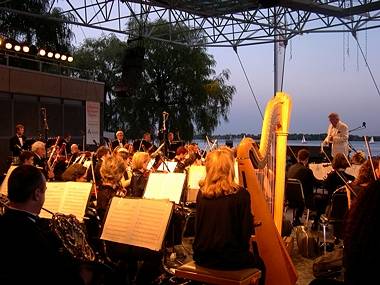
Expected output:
(222, 22)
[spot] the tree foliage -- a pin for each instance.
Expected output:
(179, 80)
(103, 57)
(176, 79)
(42, 32)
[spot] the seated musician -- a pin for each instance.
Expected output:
(338, 177)
(147, 144)
(127, 158)
(112, 170)
(75, 172)
(224, 222)
(102, 153)
(27, 158)
(74, 154)
(365, 176)
(38, 148)
(302, 172)
(120, 140)
(140, 174)
(180, 154)
(28, 254)
(361, 237)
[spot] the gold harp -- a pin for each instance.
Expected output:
(253, 161)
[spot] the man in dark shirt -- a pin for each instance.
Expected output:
(302, 172)
(29, 255)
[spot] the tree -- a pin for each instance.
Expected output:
(179, 80)
(103, 57)
(176, 79)
(42, 32)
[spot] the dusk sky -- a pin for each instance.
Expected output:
(320, 76)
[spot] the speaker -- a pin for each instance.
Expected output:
(132, 69)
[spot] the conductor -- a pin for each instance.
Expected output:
(337, 135)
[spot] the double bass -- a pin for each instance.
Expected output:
(262, 173)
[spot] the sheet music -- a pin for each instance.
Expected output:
(138, 222)
(53, 198)
(170, 164)
(196, 174)
(165, 186)
(4, 185)
(76, 198)
(66, 198)
(236, 168)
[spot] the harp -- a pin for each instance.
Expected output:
(262, 172)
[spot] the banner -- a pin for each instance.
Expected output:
(92, 122)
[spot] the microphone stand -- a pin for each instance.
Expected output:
(165, 116)
(363, 126)
(46, 128)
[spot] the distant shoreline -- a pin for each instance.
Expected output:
(295, 137)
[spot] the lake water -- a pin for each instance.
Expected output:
(356, 145)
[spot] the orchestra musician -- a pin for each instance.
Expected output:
(75, 172)
(127, 158)
(140, 174)
(224, 222)
(17, 143)
(39, 151)
(147, 144)
(112, 169)
(120, 140)
(74, 154)
(27, 158)
(102, 153)
(28, 254)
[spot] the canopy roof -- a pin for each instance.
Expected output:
(222, 22)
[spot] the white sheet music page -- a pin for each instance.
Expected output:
(66, 198)
(165, 186)
(168, 166)
(75, 199)
(53, 198)
(138, 222)
(4, 185)
(196, 174)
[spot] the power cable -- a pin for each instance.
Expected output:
(366, 62)
(249, 83)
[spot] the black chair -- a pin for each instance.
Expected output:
(335, 213)
(294, 196)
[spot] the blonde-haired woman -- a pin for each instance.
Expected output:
(224, 223)
(140, 174)
(112, 171)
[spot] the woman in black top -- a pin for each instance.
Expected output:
(140, 174)
(224, 223)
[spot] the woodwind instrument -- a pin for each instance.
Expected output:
(267, 189)
(53, 153)
(58, 156)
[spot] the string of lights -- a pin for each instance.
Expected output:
(14, 46)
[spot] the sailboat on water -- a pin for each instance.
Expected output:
(372, 140)
(303, 139)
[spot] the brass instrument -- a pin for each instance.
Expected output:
(69, 230)
(252, 159)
